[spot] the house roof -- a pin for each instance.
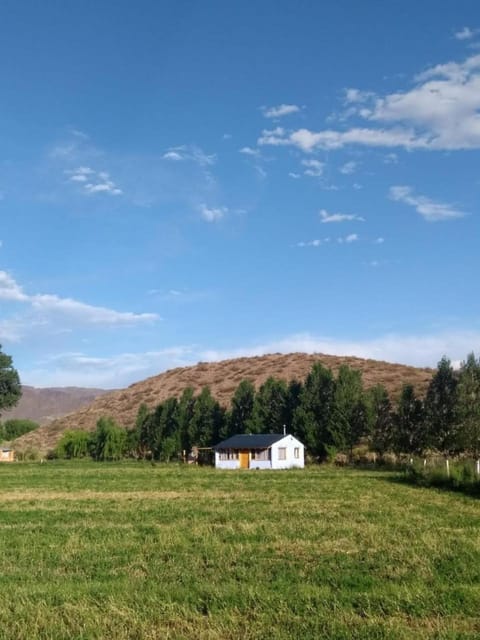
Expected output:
(250, 441)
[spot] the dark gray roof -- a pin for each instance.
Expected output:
(250, 441)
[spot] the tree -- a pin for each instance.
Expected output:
(381, 419)
(349, 421)
(269, 413)
(207, 420)
(441, 409)
(16, 427)
(10, 387)
(109, 440)
(241, 410)
(469, 405)
(186, 405)
(410, 434)
(74, 443)
(313, 415)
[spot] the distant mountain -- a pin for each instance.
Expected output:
(222, 378)
(44, 405)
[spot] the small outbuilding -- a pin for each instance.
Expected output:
(260, 451)
(7, 455)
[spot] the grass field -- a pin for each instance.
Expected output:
(131, 550)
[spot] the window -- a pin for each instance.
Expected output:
(260, 454)
(228, 454)
(296, 452)
(282, 453)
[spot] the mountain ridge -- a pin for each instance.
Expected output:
(222, 377)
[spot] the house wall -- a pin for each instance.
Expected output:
(226, 464)
(290, 462)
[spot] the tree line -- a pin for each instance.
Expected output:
(329, 413)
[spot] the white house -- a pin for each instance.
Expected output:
(260, 451)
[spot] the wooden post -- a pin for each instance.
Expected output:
(424, 463)
(478, 468)
(448, 468)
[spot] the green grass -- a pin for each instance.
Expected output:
(131, 550)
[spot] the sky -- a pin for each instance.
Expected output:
(190, 181)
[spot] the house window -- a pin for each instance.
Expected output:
(228, 454)
(260, 454)
(282, 453)
(296, 452)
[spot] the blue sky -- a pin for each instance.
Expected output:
(186, 181)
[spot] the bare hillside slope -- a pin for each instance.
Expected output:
(223, 378)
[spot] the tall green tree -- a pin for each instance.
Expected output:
(167, 436)
(441, 409)
(10, 387)
(186, 405)
(469, 405)
(109, 440)
(381, 419)
(16, 427)
(349, 421)
(75, 443)
(410, 434)
(270, 408)
(240, 415)
(207, 420)
(313, 416)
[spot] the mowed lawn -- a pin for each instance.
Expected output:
(132, 550)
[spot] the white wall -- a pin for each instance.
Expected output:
(226, 464)
(290, 462)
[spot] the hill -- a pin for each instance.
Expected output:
(223, 378)
(44, 405)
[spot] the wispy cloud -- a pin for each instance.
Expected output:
(314, 167)
(429, 209)
(326, 217)
(190, 153)
(249, 151)
(440, 112)
(91, 181)
(349, 167)
(51, 309)
(466, 33)
(280, 110)
(351, 237)
(212, 214)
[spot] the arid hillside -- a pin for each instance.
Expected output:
(222, 378)
(43, 405)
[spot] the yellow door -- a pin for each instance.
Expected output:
(243, 457)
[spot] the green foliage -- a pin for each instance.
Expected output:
(381, 419)
(207, 420)
(312, 418)
(349, 419)
(10, 387)
(410, 433)
(186, 406)
(270, 408)
(441, 409)
(15, 427)
(469, 405)
(74, 443)
(240, 415)
(109, 440)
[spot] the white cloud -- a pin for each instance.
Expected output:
(92, 181)
(49, 309)
(212, 214)
(294, 175)
(430, 210)
(349, 167)
(379, 240)
(356, 96)
(250, 152)
(441, 112)
(352, 237)
(310, 243)
(466, 33)
(280, 111)
(327, 217)
(314, 167)
(190, 153)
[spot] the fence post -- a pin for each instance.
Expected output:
(448, 468)
(424, 463)
(478, 468)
